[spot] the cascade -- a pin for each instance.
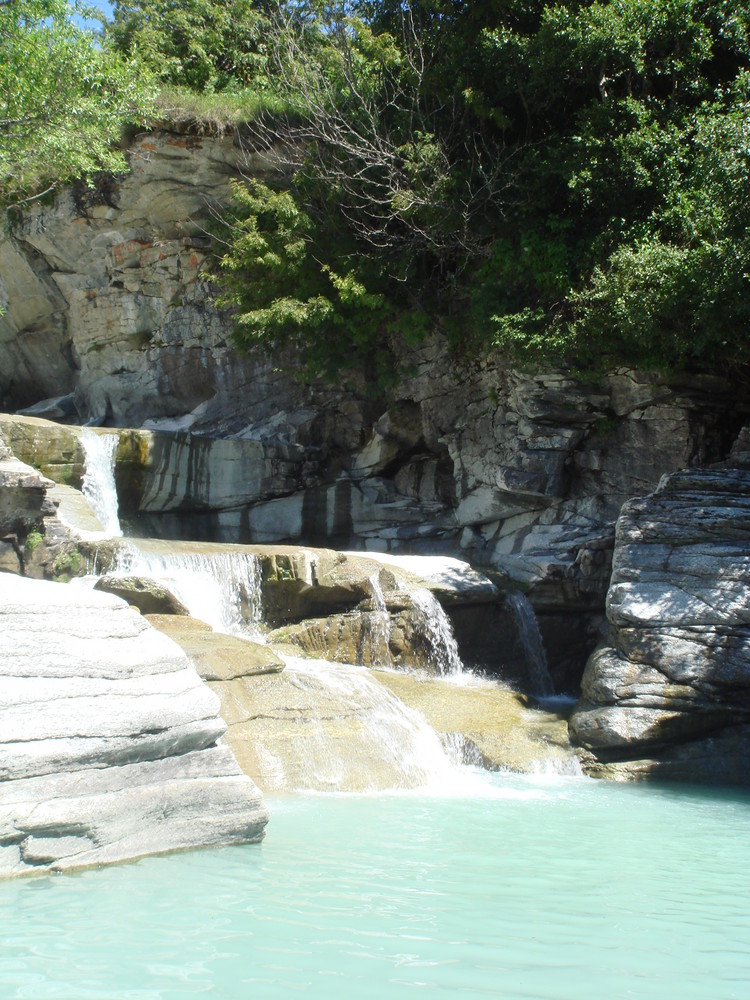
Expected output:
(219, 586)
(99, 487)
(377, 633)
(442, 649)
(530, 638)
(392, 745)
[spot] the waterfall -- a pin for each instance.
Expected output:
(442, 649)
(391, 746)
(375, 639)
(221, 588)
(99, 487)
(530, 638)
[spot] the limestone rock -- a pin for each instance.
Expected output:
(490, 718)
(301, 583)
(674, 680)
(109, 742)
(53, 449)
(325, 727)
(24, 500)
(216, 656)
(140, 592)
(396, 637)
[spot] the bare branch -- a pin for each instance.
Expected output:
(360, 123)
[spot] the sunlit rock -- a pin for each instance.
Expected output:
(669, 695)
(110, 744)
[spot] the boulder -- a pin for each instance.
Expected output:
(53, 449)
(110, 744)
(300, 583)
(24, 499)
(140, 592)
(404, 629)
(673, 681)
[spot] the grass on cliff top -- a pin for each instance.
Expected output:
(213, 114)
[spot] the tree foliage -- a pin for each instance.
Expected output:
(557, 179)
(199, 44)
(294, 283)
(64, 97)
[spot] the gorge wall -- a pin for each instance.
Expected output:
(109, 315)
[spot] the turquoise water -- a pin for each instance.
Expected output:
(523, 888)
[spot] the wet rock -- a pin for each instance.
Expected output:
(53, 449)
(495, 721)
(400, 634)
(326, 727)
(301, 583)
(215, 655)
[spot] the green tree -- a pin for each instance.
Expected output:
(561, 181)
(296, 283)
(203, 45)
(64, 97)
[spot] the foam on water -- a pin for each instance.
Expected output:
(221, 588)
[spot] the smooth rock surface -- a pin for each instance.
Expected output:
(673, 684)
(216, 656)
(140, 592)
(326, 727)
(483, 722)
(109, 742)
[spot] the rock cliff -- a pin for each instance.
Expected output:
(109, 313)
(669, 694)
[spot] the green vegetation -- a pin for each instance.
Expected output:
(33, 540)
(64, 98)
(560, 181)
(67, 565)
(563, 182)
(201, 45)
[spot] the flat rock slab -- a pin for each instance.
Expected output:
(453, 581)
(109, 741)
(215, 655)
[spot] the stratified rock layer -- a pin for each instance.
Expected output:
(109, 741)
(105, 307)
(670, 694)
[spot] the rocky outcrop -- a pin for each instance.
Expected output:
(487, 724)
(669, 694)
(107, 304)
(215, 655)
(140, 592)
(110, 745)
(401, 633)
(33, 540)
(331, 727)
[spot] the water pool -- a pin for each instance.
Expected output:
(544, 887)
